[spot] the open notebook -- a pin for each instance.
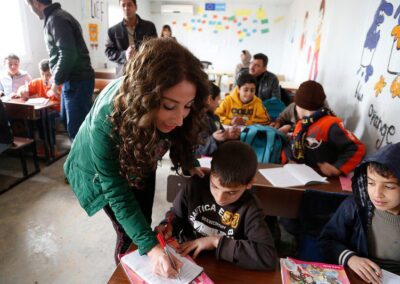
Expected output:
(37, 101)
(142, 266)
(292, 175)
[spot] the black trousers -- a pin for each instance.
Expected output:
(145, 199)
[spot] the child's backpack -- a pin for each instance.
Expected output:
(266, 141)
(274, 107)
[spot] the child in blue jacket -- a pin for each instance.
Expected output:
(364, 233)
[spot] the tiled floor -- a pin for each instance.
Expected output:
(46, 237)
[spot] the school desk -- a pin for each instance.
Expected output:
(285, 202)
(289, 86)
(218, 75)
(19, 109)
(225, 272)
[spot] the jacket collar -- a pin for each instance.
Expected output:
(49, 10)
(138, 22)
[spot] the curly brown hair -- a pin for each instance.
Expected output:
(159, 65)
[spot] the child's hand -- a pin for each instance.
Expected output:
(233, 133)
(285, 129)
(205, 243)
(328, 170)
(237, 121)
(219, 135)
(368, 271)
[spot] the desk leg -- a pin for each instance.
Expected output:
(46, 139)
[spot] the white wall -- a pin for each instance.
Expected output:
(223, 47)
(373, 117)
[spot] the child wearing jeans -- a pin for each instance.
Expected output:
(364, 233)
(219, 212)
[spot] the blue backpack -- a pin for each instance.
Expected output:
(266, 141)
(274, 107)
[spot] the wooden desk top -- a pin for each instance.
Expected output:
(290, 86)
(333, 185)
(225, 272)
(22, 102)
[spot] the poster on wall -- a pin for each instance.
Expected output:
(378, 75)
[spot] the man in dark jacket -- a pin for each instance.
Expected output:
(267, 82)
(69, 62)
(125, 38)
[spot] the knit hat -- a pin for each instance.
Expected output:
(310, 96)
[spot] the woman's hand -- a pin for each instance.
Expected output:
(328, 170)
(198, 171)
(233, 133)
(165, 230)
(368, 271)
(161, 264)
(219, 135)
(198, 245)
(285, 129)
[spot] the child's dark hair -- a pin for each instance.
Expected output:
(246, 78)
(215, 91)
(11, 56)
(381, 170)
(234, 163)
(45, 2)
(262, 57)
(44, 65)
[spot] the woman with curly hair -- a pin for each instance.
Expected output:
(158, 105)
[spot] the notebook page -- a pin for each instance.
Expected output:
(280, 177)
(304, 173)
(389, 277)
(37, 101)
(142, 266)
(205, 162)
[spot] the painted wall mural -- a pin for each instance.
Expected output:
(244, 23)
(379, 80)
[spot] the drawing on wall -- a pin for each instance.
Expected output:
(386, 84)
(304, 33)
(317, 44)
(244, 23)
(93, 35)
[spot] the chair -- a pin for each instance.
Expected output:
(99, 85)
(174, 184)
(207, 65)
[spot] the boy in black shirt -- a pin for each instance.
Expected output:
(219, 212)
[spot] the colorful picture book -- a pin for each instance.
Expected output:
(295, 271)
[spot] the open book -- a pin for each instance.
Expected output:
(141, 265)
(292, 175)
(294, 271)
(37, 101)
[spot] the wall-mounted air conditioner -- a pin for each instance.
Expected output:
(177, 8)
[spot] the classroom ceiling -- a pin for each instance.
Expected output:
(274, 2)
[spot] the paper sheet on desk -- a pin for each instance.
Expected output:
(37, 101)
(390, 278)
(205, 162)
(5, 98)
(142, 266)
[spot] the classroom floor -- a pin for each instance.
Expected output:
(46, 237)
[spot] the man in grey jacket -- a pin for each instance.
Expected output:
(125, 38)
(69, 62)
(267, 82)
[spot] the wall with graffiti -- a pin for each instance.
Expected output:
(353, 49)
(219, 35)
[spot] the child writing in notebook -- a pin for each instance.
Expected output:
(215, 133)
(364, 233)
(243, 107)
(219, 212)
(319, 138)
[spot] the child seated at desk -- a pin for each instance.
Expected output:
(220, 212)
(41, 87)
(364, 233)
(13, 77)
(243, 107)
(319, 138)
(215, 133)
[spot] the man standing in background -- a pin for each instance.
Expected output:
(125, 38)
(69, 62)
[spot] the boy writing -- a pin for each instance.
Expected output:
(243, 107)
(215, 133)
(364, 233)
(13, 78)
(219, 212)
(319, 138)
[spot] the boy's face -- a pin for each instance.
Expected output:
(225, 195)
(247, 92)
(213, 103)
(384, 192)
(46, 76)
(13, 66)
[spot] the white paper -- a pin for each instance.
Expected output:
(205, 162)
(37, 101)
(292, 175)
(142, 266)
(6, 98)
(389, 277)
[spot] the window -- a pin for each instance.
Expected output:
(12, 29)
